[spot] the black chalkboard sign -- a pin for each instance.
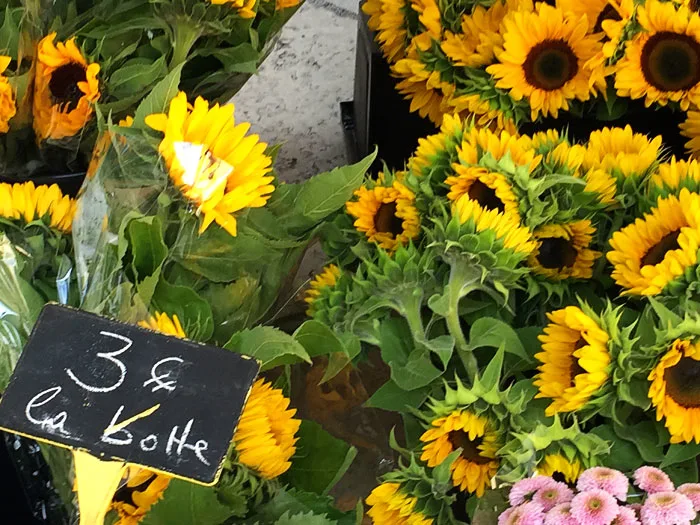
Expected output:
(128, 394)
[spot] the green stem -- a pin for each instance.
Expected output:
(411, 305)
(461, 283)
(185, 34)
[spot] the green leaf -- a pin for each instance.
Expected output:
(186, 503)
(492, 374)
(304, 519)
(194, 312)
(317, 339)
(635, 392)
(395, 399)
(678, 453)
(147, 246)
(158, 100)
(686, 472)
(296, 501)
(133, 79)
(645, 436)
(10, 348)
(491, 332)
(10, 32)
(667, 317)
(623, 455)
(320, 460)
(443, 472)
(270, 346)
(302, 206)
(243, 58)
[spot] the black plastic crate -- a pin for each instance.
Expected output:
(379, 115)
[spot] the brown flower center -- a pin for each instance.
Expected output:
(657, 252)
(556, 253)
(608, 13)
(470, 448)
(671, 61)
(550, 64)
(386, 221)
(559, 476)
(683, 382)
(64, 85)
(485, 196)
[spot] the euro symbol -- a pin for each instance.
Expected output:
(159, 379)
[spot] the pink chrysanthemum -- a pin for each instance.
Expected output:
(552, 495)
(692, 492)
(610, 480)
(525, 489)
(652, 480)
(626, 516)
(667, 508)
(529, 513)
(594, 507)
(560, 515)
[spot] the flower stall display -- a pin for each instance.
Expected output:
(532, 65)
(64, 63)
(535, 299)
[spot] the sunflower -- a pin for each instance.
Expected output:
(265, 436)
(475, 45)
(564, 251)
(691, 129)
(673, 174)
(26, 202)
(424, 88)
(595, 11)
(429, 17)
(544, 141)
(491, 190)
(674, 391)
(574, 359)
(475, 435)
(325, 279)
(102, 146)
(65, 89)
(622, 152)
(543, 59)
(479, 142)
(160, 322)
(662, 63)
(212, 162)
(388, 506)
(8, 107)
(484, 115)
(387, 18)
(560, 468)
(142, 490)
(245, 8)
(514, 237)
(565, 156)
(386, 215)
(653, 251)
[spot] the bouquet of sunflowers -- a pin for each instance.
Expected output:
(182, 207)
(64, 63)
(536, 301)
(531, 65)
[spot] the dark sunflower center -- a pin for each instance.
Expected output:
(470, 448)
(657, 252)
(683, 382)
(386, 221)
(559, 476)
(556, 253)
(608, 13)
(550, 64)
(64, 85)
(126, 493)
(485, 196)
(671, 61)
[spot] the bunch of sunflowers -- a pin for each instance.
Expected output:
(64, 63)
(536, 301)
(169, 231)
(520, 64)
